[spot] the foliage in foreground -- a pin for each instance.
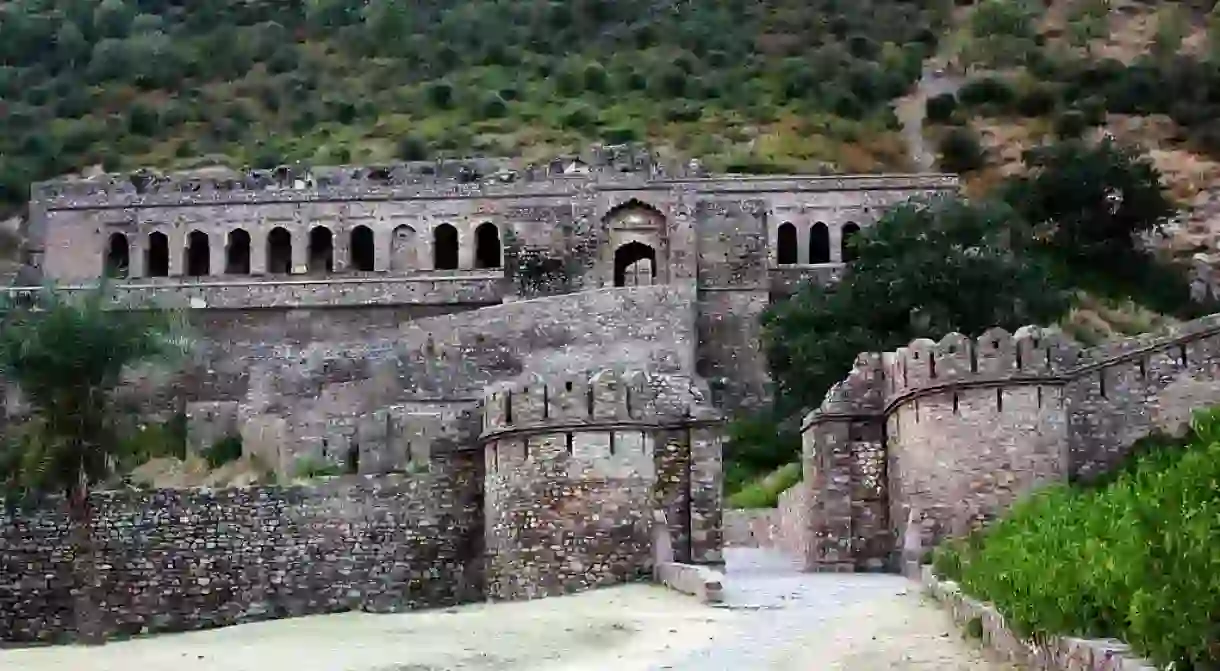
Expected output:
(764, 492)
(1134, 559)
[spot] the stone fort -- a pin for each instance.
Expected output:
(522, 372)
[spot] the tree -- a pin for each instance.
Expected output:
(924, 270)
(1002, 32)
(66, 355)
(1088, 21)
(1171, 28)
(1092, 203)
(961, 151)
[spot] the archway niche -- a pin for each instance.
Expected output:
(237, 253)
(635, 263)
(819, 243)
(786, 245)
(118, 255)
(403, 250)
(848, 252)
(321, 250)
(362, 251)
(487, 246)
(198, 254)
(156, 259)
(279, 251)
(445, 247)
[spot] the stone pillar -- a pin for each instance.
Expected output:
(341, 247)
(836, 242)
(300, 250)
(466, 245)
(136, 255)
(707, 505)
(258, 252)
(177, 252)
(383, 246)
(218, 253)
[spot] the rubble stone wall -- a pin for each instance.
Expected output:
(172, 560)
(937, 438)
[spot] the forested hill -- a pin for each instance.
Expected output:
(750, 84)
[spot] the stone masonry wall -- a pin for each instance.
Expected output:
(970, 425)
(178, 560)
(576, 467)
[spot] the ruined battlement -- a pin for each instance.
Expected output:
(605, 398)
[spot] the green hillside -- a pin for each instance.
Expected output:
(746, 84)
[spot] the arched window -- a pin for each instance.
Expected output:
(786, 244)
(156, 259)
(118, 256)
(237, 253)
(198, 254)
(362, 250)
(819, 243)
(487, 246)
(321, 250)
(445, 247)
(279, 251)
(848, 252)
(635, 263)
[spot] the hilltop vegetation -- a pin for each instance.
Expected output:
(747, 84)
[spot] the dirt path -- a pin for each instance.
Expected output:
(777, 619)
(911, 111)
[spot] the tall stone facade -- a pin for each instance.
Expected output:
(937, 438)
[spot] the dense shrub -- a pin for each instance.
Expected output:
(1070, 124)
(1134, 559)
(764, 492)
(940, 108)
(961, 151)
(987, 91)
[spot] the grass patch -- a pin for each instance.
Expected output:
(764, 492)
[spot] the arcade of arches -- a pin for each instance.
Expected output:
(818, 245)
(319, 257)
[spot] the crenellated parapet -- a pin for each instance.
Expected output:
(606, 397)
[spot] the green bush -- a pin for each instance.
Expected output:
(987, 91)
(961, 151)
(940, 108)
(1071, 124)
(1134, 559)
(764, 492)
(224, 451)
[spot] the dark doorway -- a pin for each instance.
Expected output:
(445, 247)
(279, 252)
(321, 250)
(848, 251)
(786, 245)
(363, 253)
(237, 253)
(156, 260)
(487, 246)
(118, 256)
(819, 243)
(629, 254)
(198, 254)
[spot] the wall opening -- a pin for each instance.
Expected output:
(445, 247)
(846, 249)
(156, 260)
(785, 244)
(237, 253)
(819, 243)
(118, 256)
(353, 459)
(487, 246)
(628, 257)
(402, 249)
(198, 254)
(279, 251)
(362, 249)
(321, 250)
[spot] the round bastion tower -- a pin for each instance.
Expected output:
(576, 467)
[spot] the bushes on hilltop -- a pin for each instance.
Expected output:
(1134, 559)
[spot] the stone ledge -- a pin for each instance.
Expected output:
(1059, 653)
(699, 581)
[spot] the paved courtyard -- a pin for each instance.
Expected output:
(775, 619)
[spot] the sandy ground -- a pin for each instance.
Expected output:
(632, 628)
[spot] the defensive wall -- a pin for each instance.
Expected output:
(936, 438)
(557, 494)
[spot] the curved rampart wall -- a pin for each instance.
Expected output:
(938, 437)
(575, 466)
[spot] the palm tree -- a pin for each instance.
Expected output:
(66, 354)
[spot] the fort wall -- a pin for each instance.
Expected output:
(575, 467)
(172, 560)
(937, 438)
